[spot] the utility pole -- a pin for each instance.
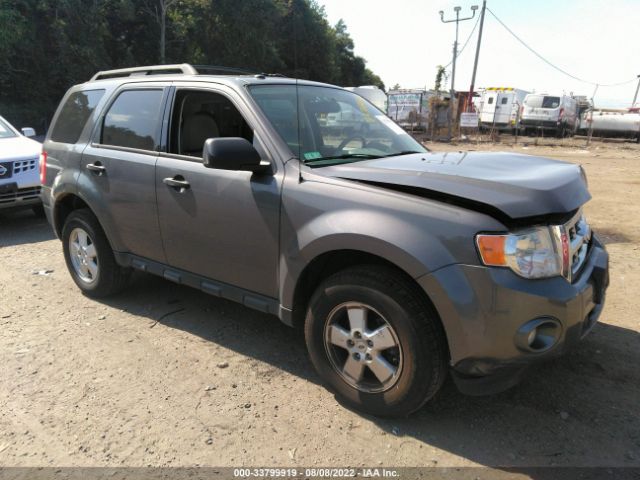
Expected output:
(475, 63)
(455, 55)
(635, 97)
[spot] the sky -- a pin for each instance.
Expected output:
(598, 41)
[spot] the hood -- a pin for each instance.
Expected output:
(505, 185)
(19, 147)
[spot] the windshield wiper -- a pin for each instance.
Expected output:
(405, 152)
(344, 157)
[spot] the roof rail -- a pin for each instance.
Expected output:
(219, 70)
(183, 68)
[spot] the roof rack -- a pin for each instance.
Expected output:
(183, 68)
(218, 70)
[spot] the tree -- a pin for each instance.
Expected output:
(160, 11)
(46, 46)
(441, 75)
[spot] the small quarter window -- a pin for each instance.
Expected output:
(133, 119)
(490, 102)
(504, 100)
(74, 115)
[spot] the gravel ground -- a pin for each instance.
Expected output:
(163, 375)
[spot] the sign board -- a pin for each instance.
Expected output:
(469, 120)
(409, 108)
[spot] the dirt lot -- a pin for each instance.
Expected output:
(141, 379)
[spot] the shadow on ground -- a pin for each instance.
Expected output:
(23, 227)
(581, 409)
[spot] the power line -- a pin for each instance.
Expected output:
(465, 43)
(551, 64)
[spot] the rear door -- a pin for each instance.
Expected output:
(489, 106)
(503, 108)
(223, 225)
(117, 174)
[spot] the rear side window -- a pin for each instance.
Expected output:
(74, 115)
(133, 120)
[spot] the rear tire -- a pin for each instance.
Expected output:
(89, 256)
(406, 362)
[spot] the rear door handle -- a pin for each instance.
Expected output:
(96, 168)
(178, 182)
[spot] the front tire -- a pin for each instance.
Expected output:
(89, 257)
(376, 341)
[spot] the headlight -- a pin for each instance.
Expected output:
(532, 253)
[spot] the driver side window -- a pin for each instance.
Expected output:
(200, 115)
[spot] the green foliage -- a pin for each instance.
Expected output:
(46, 46)
(440, 77)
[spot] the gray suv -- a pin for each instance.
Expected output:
(400, 264)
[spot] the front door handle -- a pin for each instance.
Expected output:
(96, 168)
(178, 182)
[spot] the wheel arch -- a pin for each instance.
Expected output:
(326, 264)
(65, 205)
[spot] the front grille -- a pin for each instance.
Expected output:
(21, 166)
(20, 194)
(579, 237)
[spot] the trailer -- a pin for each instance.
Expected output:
(498, 107)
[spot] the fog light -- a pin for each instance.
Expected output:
(538, 335)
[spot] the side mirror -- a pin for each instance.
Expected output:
(28, 132)
(233, 153)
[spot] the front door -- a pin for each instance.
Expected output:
(220, 224)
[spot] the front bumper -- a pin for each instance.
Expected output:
(483, 309)
(19, 197)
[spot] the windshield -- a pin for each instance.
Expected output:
(325, 126)
(542, 101)
(5, 130)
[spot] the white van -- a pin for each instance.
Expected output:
(498, 107)
(557, 114)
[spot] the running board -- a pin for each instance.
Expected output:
(212, 287)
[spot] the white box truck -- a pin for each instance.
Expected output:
(499, 107)
(372, 93)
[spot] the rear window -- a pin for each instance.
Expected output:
(542, 101)
(133, 120)
(74, 115)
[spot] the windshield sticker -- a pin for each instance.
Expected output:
(312, 155)
(389, 123)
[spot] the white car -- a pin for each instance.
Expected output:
(19, 168)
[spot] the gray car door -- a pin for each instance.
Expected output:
(221, 224)
(118, 170)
